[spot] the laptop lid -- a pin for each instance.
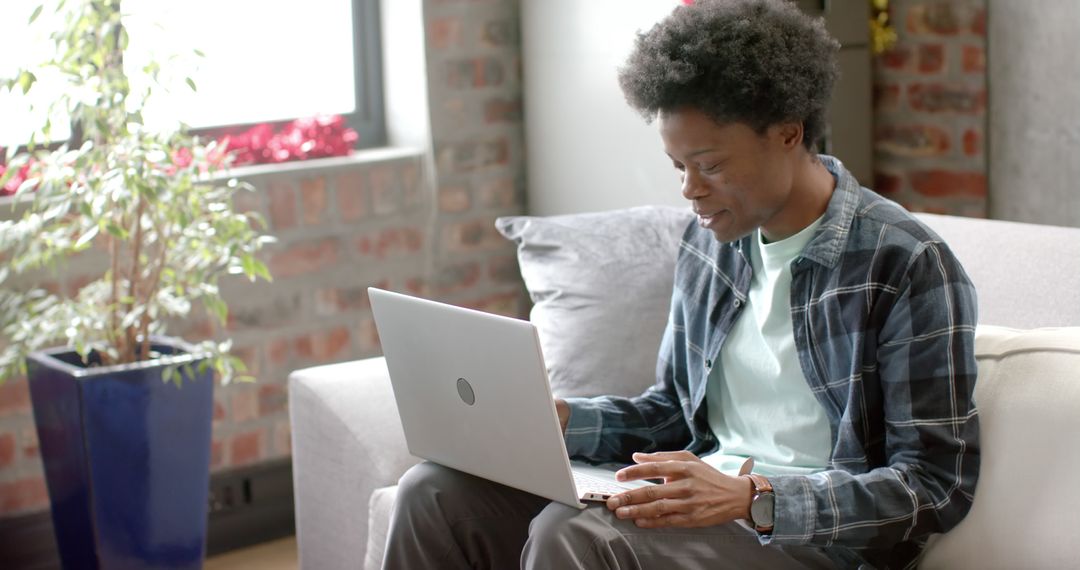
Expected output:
(473, 393)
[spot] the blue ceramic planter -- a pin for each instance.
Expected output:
(127, 459)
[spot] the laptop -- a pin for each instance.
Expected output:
(473, 394)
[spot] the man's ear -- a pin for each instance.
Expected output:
(790, 134)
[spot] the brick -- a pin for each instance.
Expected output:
(974, 59)
(941, 183)
(247, 201)
(898, 58)
(219, 412)
(887, 184)
(217, 454)
(937, 18)
(911, 140)
(886, 97)
(411, 184)
(368, 337)
(504, 269)
(351, 193)
(273, 399)
(282, 439)
(506, 304)
(472, 235)
(941, 98)
(498, 33)
(331, 301)
(444, 33)
(7, 450)
(305, 258)
(250, 356)
(31, 449)
(390, 242)
(501, 110)
(978, 22)
(972, 142)
(243, 403)
(474, 73)
(931, 58)
(313, 199)
(385, 190)
(277, 353)
(274, 311)
(14, 397)
(245, 448)
(23, 495)
(453, 199)
(500, 193)
(458, 277)
(323, 345)
(473, 155)
(282, 196)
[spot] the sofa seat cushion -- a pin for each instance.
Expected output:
(1026, 502)
(379, 508)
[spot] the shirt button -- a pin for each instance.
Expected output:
(737, 303)
(708, 364)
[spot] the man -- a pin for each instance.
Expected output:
(815, 327)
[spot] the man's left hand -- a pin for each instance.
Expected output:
(693, 493)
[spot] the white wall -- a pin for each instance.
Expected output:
(586, 150)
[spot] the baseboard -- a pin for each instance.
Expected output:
(247, 506)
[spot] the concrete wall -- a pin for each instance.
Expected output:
(1035, 111)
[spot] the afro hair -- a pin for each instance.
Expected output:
(758, 62)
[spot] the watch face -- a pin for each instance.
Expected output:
(761, 510)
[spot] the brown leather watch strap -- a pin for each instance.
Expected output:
(760, 483)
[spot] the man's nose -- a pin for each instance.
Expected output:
(693, 187)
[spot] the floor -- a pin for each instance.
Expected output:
(277, 555)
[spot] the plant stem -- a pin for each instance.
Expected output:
(135, 278)
(151, 292)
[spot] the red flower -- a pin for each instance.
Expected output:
(313, 137)
(15, 181)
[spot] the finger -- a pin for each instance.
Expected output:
(657, 508)
(663, 456)
(648, 494)
(747, 466)
(652, 470)
(677, 520)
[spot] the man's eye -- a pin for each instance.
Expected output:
(710, 169)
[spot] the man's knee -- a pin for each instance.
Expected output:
(563, 529)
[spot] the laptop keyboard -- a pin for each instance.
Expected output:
(590, 484)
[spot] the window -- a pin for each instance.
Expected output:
(264, 62)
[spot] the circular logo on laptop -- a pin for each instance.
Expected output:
(465, 391)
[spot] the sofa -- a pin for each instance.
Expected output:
(592, 275)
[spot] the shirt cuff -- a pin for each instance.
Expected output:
(794, 513)
(583, 429)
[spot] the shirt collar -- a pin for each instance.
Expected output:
(828, 245)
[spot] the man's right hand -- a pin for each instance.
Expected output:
(564, 413)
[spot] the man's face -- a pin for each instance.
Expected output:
(736, 179)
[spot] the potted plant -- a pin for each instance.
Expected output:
(123, 413)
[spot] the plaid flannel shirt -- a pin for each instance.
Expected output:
(884, 324)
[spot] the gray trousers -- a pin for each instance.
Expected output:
(444, 518)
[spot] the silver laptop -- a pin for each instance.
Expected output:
(473, 394)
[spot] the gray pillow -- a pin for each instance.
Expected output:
(601, 287)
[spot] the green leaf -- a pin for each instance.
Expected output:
(87, 237)
(199, 52)
(37, 12)
(190, 83)
(26, 81)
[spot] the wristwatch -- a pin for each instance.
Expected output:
(762, 503)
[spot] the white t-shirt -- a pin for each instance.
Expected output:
(759, 404)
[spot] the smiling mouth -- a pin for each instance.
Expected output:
(707, 219)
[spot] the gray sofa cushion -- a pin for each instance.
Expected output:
(600, 284)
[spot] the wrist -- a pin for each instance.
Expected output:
(762, 503)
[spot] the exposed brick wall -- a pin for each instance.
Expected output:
(930, 108)
(344, 224)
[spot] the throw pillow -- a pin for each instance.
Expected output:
(601, 287)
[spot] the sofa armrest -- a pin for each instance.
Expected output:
(347, 442)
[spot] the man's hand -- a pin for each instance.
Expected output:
(564, 413)
(693, 494)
